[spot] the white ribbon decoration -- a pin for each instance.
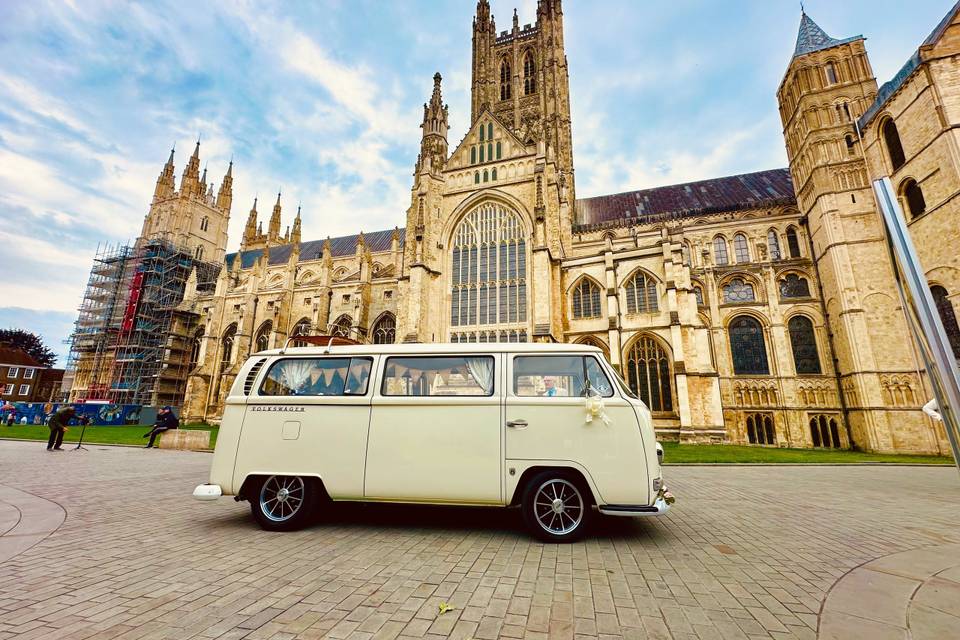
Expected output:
(595, 408)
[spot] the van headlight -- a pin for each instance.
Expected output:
(657, 485)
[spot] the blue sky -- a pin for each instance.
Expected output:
(324, 99)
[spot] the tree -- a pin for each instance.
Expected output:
(29, 342)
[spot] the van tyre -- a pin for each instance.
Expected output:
(556, 506)
(284, 503)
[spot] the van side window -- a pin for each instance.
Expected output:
(438, 376)
(559, 376)
(317, 377)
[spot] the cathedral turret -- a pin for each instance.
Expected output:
(433, 143)
(273, 231)
(250, 231)
(165, 182)
(190, 180)
(225, 195)
(484, 36)
(295, 234)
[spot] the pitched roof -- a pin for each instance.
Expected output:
(812, 38)
(16, 357)
(746, 191)
(312, 249)
(893, 85)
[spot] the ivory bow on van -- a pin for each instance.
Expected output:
(596, 408)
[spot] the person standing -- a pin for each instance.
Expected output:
(166, 421)
(58, 426)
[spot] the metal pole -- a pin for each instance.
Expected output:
(923, 319)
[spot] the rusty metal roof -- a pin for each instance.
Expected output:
(746, 191)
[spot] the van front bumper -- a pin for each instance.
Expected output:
(659, 507)
(207, 492)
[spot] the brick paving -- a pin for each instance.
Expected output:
(747, 552)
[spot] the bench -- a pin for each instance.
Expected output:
(187, 439)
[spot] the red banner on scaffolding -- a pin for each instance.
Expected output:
(130, 313)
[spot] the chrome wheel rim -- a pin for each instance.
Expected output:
(281, 497)
(558, 506)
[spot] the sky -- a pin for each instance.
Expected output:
(323, 101)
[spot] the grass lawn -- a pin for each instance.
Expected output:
(95, 435)
(719, 453)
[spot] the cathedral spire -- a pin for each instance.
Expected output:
(190, 180)
(273, 231)
(225, 195)
(250, 229)
(810, 37)
(295, 234)
(433, 145)
(166, 181)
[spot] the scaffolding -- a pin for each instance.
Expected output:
(132, 344)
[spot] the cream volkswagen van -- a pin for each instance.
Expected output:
(548, 428)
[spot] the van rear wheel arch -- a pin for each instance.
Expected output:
(529, 474)
(252, 483)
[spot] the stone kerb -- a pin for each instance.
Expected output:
(185, 439)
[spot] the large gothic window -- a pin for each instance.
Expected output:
(489, 277)
(740, 249)
(262, 341)
(793, 242)
(720, 251)
(804, 344)
(748, 347)
(794, 286)
(892, 137)
(341, 327)
(642, 294)
(385, 330)
(947, 316)
(773, 245)
(529, 74)
(738, 290)
(504, 81)
(586, 299)
(648, 374)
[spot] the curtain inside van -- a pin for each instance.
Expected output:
(481, 369)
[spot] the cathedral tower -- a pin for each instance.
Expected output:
(828, 84)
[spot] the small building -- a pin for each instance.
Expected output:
(23, 379)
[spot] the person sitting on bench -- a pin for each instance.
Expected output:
(166, 420)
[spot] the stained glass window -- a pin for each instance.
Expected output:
(794, 286)
(648, 374)
(642, 294)
(720, 251)
(748, 347)
(698, 294)
(773, 245)
(489, 276)
(740, 249)
(947, 316)
(804, 344)
(586, 299)
(738, 290)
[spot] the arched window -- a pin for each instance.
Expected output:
(747, 347)
(483, 132)
(342, 327)
(486, 175)
(195, 348)
(490, 150)
(529, 74)
(262, 341)
(490, 136)
(476, 177)
(793, 242)
(482, 149)
(825, 431)
(473, 155)
(698, 294)
(892, 138)
(198, 254)
(830, 71)
(493, 173)
(586, 299)
(851, 145)
(804, 345)
(642, 294)
(740, 249)
(720, 251)
(205, 223)
(489, 274)
(385, 330)
(760, 429)
(648, 374)
(226, 347)
(794, 286)
(947, 316)
(912, 193)
(302, 328)
(738, 290)
(773, 245)
(498, 150)
(504, 81)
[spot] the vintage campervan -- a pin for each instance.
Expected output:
(548, 428)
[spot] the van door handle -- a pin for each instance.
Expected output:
(517, 424)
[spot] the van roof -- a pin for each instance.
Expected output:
(434, 348)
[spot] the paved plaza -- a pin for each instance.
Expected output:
(108, 543)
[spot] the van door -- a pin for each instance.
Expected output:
(309, 417)
(435, 430)
(546, 419)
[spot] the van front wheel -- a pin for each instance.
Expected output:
(283, 503)
(555, 507)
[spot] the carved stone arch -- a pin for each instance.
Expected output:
(579, 278)
(759, 293)
(594, 341)
(340, 273)
(306, 276)
(261, 337)
(384, 329)
(342, 326)
(648, 371)
(479, 198)
(376, 268)
(275, 280)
